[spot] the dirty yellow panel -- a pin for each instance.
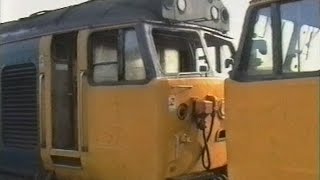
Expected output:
(273, 129)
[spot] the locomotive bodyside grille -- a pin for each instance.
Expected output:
(19, 106)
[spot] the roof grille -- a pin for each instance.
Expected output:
(19, 106)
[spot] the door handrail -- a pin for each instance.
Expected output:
(42, 133)
(83, 146)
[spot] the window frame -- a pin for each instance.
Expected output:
(121, 61)
(240, 71)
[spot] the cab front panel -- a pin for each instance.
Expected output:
(129, 132)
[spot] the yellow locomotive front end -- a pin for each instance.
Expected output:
(162, 127)
(155, 115)
(126, 90)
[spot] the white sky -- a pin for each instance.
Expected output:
(15, 9)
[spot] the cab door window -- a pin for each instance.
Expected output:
(105, 61)
(115, 57)
(283, 41)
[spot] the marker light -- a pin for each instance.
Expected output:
(214, 13)
(182, 5)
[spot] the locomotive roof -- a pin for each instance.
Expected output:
(94, 12)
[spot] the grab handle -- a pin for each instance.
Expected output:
(41, 119)
(83, 145)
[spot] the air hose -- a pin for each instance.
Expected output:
(205, 150)
(200, 120)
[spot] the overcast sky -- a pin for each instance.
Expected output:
(15, 9)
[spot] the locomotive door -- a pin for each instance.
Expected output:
(58, 100)
(114, 94)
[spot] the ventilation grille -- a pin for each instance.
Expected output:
(19, 106)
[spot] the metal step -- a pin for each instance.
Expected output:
(201, 176)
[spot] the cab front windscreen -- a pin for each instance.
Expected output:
(191, 52)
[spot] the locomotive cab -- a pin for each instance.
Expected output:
(126, 90)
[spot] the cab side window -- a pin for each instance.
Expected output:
(260, 60)
(300, 37)
(226, 52)
(105, 62)
(284, 40)
(179, 52)
(115, 57)
(219, 51)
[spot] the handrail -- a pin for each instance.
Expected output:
(41, 120)
(83, 147)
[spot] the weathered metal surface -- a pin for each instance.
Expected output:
(110, 12)
(92, 13)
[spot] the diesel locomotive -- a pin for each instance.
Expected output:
(115, 89)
